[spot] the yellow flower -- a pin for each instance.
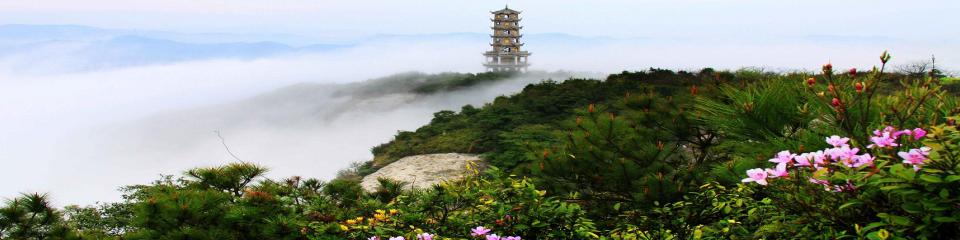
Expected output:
(380, 211)
(344, 227)
(393, 211)
(359, 219)
(351, 222)
(380, 216)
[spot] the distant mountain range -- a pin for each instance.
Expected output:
(74, 48)
(79, 48)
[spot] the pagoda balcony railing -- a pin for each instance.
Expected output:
(501, 35)
(509, 44)
(506, 64)
(502, 27)
(506, 19)
(500, 53)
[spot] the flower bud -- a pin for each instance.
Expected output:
(831, 88)
(811, 82)
(828, 69)
(951, 122)
(591, 108)
(859, 87)
(884, 57)
(693, 90)
(853, 72)
(835, 102)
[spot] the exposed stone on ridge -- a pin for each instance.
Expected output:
(423, 171)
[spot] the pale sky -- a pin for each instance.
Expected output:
(897, 19)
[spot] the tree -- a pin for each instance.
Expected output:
(31, 216)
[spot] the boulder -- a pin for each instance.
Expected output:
(422, 171)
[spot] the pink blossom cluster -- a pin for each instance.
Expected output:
(422, 236)
(841, 154)
(889, 136)
(484, 233)
(479, 232)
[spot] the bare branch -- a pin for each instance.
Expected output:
(224, 143)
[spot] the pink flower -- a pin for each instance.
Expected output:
(915, 157)
(842, 153)
(511, 238)
(837, 141)
(918, 133)
(374, 238)
(897, 134)
(425, 236)
(779, 171)
(479, 231)
(493, 237)
(864, 159)
(803, 159)
(398, 238)
(883, 140)
(819, 159)
(783, 158)
(756, 175)
(825, 183)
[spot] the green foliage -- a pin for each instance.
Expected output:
(497, 129)
(103, 221)
(511, 207)
(920, 204)
(215, 203)
(31, 216)
(456, 81)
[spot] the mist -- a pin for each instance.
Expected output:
(80, 131)
(81, 135)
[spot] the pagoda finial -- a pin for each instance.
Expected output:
(506, 6)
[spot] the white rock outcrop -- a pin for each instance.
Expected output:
(422, 171)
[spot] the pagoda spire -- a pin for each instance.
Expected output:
(506, 53)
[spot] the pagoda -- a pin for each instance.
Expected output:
(506, 54)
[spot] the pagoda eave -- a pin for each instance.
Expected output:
(509, 35)
(510, 54)
(507, 44)
(506, 65)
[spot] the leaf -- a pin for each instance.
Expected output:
(952, 178)
(945, 219)
(900, 171)
(911, 207)
(894, 187)
(873, 225)
(930, 178)
(850, 204)
(944, 193)
(898, 220)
